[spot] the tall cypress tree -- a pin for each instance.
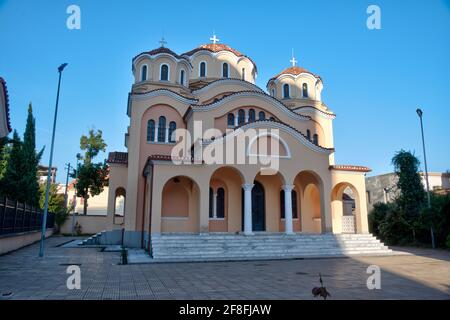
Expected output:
(31, 158)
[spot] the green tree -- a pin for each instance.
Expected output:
(412, 193)
(30, 185)
(56, 201)
(90, 177)
(12, 182)
(5, 150)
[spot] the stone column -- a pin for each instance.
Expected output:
(215, 205)
(288, 208)
(167, 134)
(248, 229)
(236, 120)
(156, 134)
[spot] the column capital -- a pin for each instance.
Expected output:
(288, 187)
(248, 186)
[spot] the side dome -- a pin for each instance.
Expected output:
(162, 65)
(215, 61)
(295, 83)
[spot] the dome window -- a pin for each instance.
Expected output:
(305, 90)
(262, 115)
(316, 139)
(144, 72)
(251, 115)
(172, 128)
(162, 129)
(150, 130)
(164, 76)
(225, 70)
(308, 134)
(286, 91)
(182, 77)
(202, 69)
(241, 116)
(230, 120)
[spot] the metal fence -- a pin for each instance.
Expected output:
(20, 217)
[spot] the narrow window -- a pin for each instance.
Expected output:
(286, 93)
(241, 116)
(273, 92)
(162, 129)
(164, 72)
(282, 204)
(144, 72)
(211, 199)
(225, 70)
(262, 115)
(202, 69)
(251, 115)
(305, 90)
(172, 128)
(243, 73)
(182, 77)
(315, 139)
(294, 205)
(220, 203)
(230, 120)
(308, 134)
(150, 130)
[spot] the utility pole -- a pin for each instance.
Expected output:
(420, 114)
(47, 189)
(66, 199)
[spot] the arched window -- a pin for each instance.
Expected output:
(273, 92)
(251, 115)
(315, 139)
(151, 130)
(305, 90)
(220, 203)
(241, 116)
(172, 128)
(286, 91)
(202, 69)
(225, 68)
(162, 129)
(164, 72)
(243, 73)
(230, 120)
(144, 72)
(211, 199)
(294, 204)
(308, 134)
(262, 115)
(182, 77)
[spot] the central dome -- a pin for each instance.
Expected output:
(214, 47)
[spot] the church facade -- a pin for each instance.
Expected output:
(273, 151)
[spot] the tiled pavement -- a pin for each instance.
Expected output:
(425, 275)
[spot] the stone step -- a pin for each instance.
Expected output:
(262, 245)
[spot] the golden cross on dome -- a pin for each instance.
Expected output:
(214, 39)
(162, 41)
(293, 61)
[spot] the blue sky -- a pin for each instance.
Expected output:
(373, 79)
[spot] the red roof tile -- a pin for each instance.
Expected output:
(350, 168)
(118, 157)
(162, 50)
(295, 71)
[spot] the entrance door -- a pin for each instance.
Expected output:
(258, 208)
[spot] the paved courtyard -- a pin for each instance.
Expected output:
(424, 275)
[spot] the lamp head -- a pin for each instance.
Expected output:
(61, 67)
(419, 112)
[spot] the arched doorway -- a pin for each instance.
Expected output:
(346, 210)
(309, 186)
(258, 208)
(180, 205)
(119, 206)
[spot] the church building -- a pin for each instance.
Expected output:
(214, 85)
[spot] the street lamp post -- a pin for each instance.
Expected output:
(420, 114)
(47, 188)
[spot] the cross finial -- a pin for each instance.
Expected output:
(214, 39)
(293, 61)
(162, 41)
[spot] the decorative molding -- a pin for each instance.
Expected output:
(254, 94)
(162, 92)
